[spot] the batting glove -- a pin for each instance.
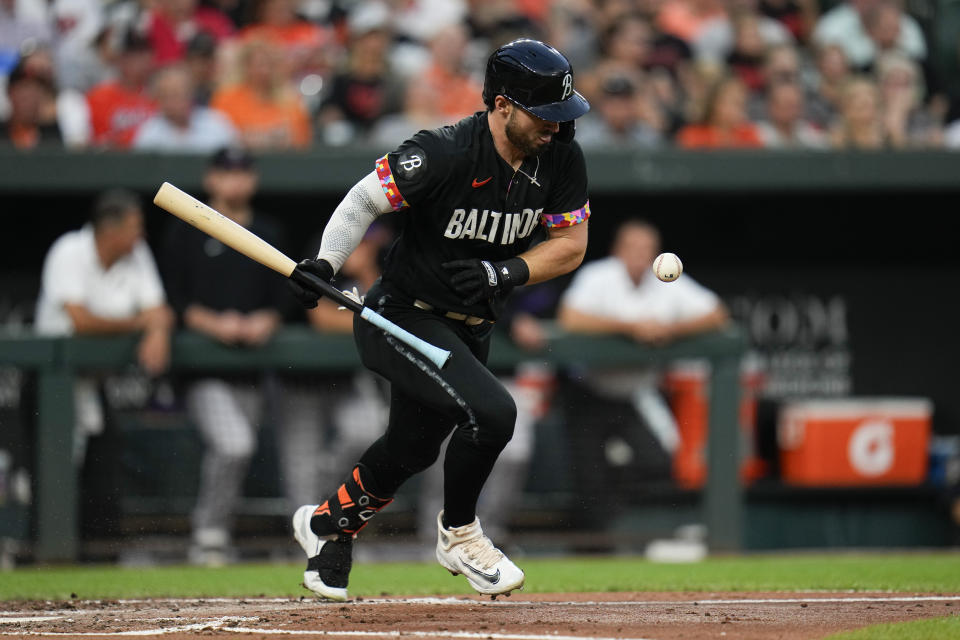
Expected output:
(314, 266)
(478, 280)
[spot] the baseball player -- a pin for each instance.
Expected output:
(476, 196)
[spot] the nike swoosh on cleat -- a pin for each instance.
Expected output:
(480, 183)
(492, 578)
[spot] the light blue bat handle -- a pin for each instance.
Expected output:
(436, 355)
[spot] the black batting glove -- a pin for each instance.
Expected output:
(314, 266)
(478, 280)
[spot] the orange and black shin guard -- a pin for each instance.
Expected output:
(349, 510)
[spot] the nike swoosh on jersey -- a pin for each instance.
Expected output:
(480, 183)
(492, 578)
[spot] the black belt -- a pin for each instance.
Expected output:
(470, 321)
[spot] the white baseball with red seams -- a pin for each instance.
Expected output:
(668, 267)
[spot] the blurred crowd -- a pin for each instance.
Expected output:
(194, 75)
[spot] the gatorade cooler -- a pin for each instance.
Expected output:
(855, 441)
(687, 387)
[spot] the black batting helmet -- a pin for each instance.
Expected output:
(536, 77)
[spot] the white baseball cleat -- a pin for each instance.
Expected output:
(466, 550)
(328, 558)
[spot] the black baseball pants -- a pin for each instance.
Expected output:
(428, 403)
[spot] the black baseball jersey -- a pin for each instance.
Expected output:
(198, 269)
(463, 200)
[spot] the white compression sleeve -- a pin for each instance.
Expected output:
(363, 204)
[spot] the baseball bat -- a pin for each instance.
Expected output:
(235, 236)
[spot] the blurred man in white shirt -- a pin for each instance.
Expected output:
(621, 295)
(102, 280)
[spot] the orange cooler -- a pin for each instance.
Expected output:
(687, 386)
(855, 441)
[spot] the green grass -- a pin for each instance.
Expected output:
(932, 629)
(920, 572)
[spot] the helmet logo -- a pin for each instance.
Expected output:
(567, 86)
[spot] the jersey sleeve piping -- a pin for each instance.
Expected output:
(389, 185)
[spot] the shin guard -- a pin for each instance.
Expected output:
(347, 512)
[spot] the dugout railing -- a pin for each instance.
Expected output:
(56, 362)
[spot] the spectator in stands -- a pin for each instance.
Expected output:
(264, 107)
(609, 12)
(743, 30)
(303, 44)
(724, 122)
(233, 300)
(785, 126)
(832, 74)
(171, 23)
(201, 60)
(78, 23)
(414, 24)
(180, 125)
(859, 26)
(626, 47)
(494, 22)
(32, 121)
(57, 104)
(798, 16)
(102, 280)
(456, 93)
(420, 111)
(666, 50)
(621, 116)
(687, 19)
(85, 69)
(422, 20)
(747, 56)
(119, 107)
(781, 64)
(885, 25)
(20, 34)
(658, 64)
(906, 121)
(366, 89)
(571, 26)
(620, 295)
(860, 123)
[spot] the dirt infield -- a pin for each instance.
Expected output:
(557, 616)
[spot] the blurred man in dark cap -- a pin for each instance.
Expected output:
(238, 302)
(622, 116)
(200, 59)
(32, 121)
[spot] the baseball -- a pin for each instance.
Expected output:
(668, 267)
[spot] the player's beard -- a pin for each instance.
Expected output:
(526, 142)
